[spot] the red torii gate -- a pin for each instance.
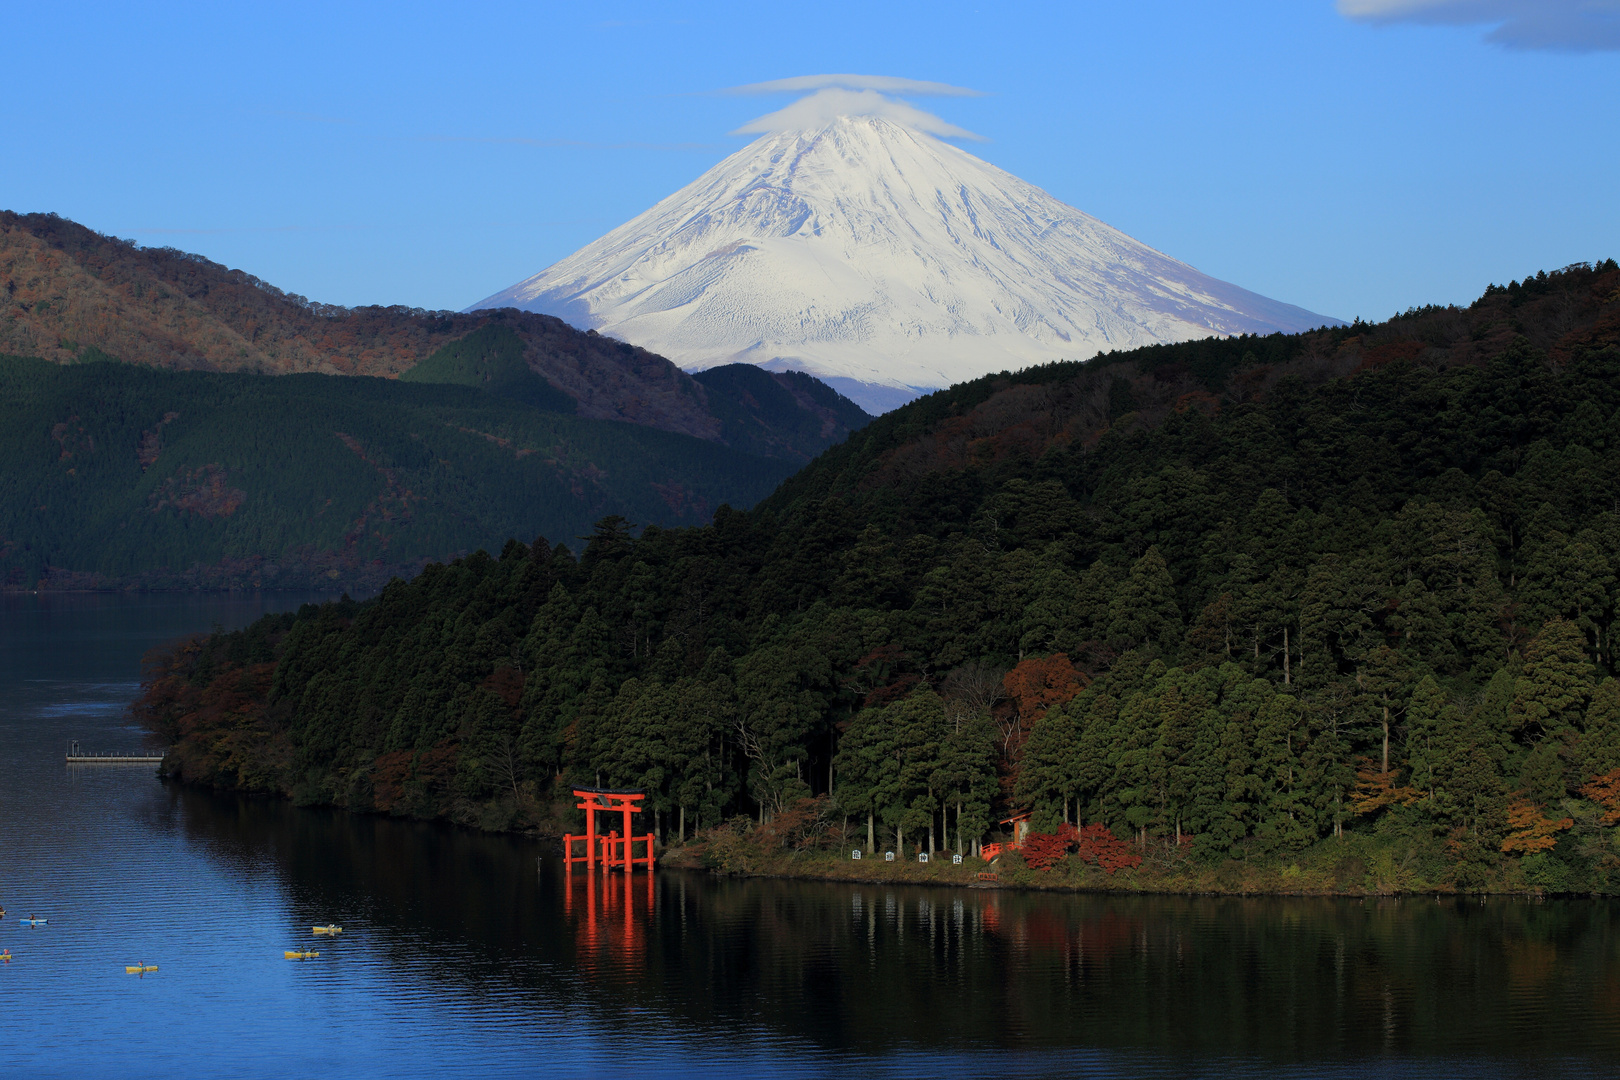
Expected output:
(614, 849)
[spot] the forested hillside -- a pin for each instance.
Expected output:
(70, 294)
(1233, 601)
(113, 475)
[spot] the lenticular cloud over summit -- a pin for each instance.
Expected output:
(825, 106)
(833, 96)
(851, 242)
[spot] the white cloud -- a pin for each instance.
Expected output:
(887, 84)
(853, 95)
(1563, 25)
(824, 106)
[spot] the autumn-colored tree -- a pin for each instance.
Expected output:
(1605, 791)
(1037, 685)
(1041, 850)
(1097, 844)
(801, 825)
(1375, 790)
(1529, 830)
(1033, 687)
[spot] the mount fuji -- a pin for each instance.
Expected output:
(885, 262)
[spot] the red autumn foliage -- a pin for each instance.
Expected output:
(1037, 685)
(217, 732)
(1099, 845)
(1095, 844)
(1032, 687)
(388, 775)
(1041, 850)
(878, 676)
(801, 825)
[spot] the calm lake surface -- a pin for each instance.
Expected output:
(469, 955)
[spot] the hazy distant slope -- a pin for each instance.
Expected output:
(68, 293)
(118, 475)
(870, 251)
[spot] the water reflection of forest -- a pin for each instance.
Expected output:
(870, 967)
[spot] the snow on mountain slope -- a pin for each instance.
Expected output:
(866, 251)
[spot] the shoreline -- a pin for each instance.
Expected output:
(1023, 885)
(1246, 880)
(194, 590)
(1072, 877)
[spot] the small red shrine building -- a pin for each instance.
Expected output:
(1020, 824)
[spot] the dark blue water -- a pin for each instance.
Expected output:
(471, 955)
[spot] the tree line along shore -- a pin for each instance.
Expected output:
(1329, 612)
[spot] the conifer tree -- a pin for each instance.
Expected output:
(1143, 609)
(1553, 692)
(1433, 743)
(1599, 749)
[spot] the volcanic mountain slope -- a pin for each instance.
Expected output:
(866, 252)
(68, 293)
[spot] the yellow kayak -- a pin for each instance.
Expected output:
(139, 969)
(327, 929)
(305, 955)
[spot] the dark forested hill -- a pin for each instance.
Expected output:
(68, 293)
(1346, 599)
(778, 413)
(113, 475)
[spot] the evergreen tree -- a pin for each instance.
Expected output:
(1599, 749)
(1557, 684)
(1143, 609)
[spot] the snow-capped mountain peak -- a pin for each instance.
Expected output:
(867, 252)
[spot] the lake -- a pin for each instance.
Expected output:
(471, 955)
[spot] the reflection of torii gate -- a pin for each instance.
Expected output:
(614, 849)
(624, 943)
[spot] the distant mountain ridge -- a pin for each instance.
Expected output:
(68, 293)
(128, 476)
(166, 422)
(886, 261)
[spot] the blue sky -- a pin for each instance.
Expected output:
(1353, 158)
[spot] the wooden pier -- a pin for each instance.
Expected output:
(77, 756)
